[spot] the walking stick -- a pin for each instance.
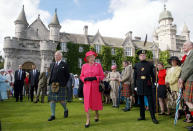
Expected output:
(156, 62)
(119, 95)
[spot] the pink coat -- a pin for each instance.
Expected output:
(92, 96)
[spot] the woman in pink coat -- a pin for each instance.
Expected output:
(91, 75)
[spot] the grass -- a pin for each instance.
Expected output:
(27, 116)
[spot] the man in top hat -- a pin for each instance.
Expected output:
(143, 80)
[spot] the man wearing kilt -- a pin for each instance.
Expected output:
(186, 77)
(58, 79)
(126, 84)
(143, 79)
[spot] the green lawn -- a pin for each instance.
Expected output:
(28, 116)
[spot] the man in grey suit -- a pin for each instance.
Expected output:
(69, 86)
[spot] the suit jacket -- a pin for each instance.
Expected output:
(62, 73)
(33, 80)
(42, 80)
(17, 75)
(126, 75)
(172, 76)
(187, 68)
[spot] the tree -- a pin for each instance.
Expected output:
(119, 58)
(164, 56)
(106, 58)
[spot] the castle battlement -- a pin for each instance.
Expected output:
(11, 42)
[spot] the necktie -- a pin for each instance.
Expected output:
(20, 74)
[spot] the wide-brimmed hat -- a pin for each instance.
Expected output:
(113, 67)
(174, 58)
(89, 53)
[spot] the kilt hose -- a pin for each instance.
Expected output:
(188, 92)
(126, 90)
(59, 96)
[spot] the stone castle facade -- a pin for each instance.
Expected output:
(36, 44)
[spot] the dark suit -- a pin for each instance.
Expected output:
(144, 77)
(59, 73)
(18, 84)
(33, 81)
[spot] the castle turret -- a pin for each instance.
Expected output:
(55, 28)
(166, 31)
(47, 49)
(10, 51)
(186, 32)
(21, 24)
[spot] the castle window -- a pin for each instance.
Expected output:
(80, 49)
(63, 47)
(98, 48)
(113, 51)
(97, 61)
(80, 63)
(128, 51)
(113, 62)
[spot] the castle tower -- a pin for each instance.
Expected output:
(10, 52)
(186, 32)
(21, 24)
(47, 50)
(55, 28)
(166, 31)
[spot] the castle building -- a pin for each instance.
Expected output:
(36, 44)
(165, 34)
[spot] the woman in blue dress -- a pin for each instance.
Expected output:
(4, 85)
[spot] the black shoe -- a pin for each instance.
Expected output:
(96, 120)
(161, 113)
(190, 128)
(36, 101)
(141, 118)
(51, 118)
(125, 110)
(66, 114)
(155, 121)
(87, 125)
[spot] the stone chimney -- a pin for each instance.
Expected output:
(85, 30)
(129, 34)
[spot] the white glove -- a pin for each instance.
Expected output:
(135, 88)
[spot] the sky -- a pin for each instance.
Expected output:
(112, 18)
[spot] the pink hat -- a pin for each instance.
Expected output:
(9, 70)
(113, 67)
(89, 53)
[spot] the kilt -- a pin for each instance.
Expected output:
(126, 90)
(59, 96)
(188, 92)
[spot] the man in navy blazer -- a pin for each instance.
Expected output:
(33, 81)
(18, 83)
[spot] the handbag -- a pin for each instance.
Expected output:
(101, 85)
